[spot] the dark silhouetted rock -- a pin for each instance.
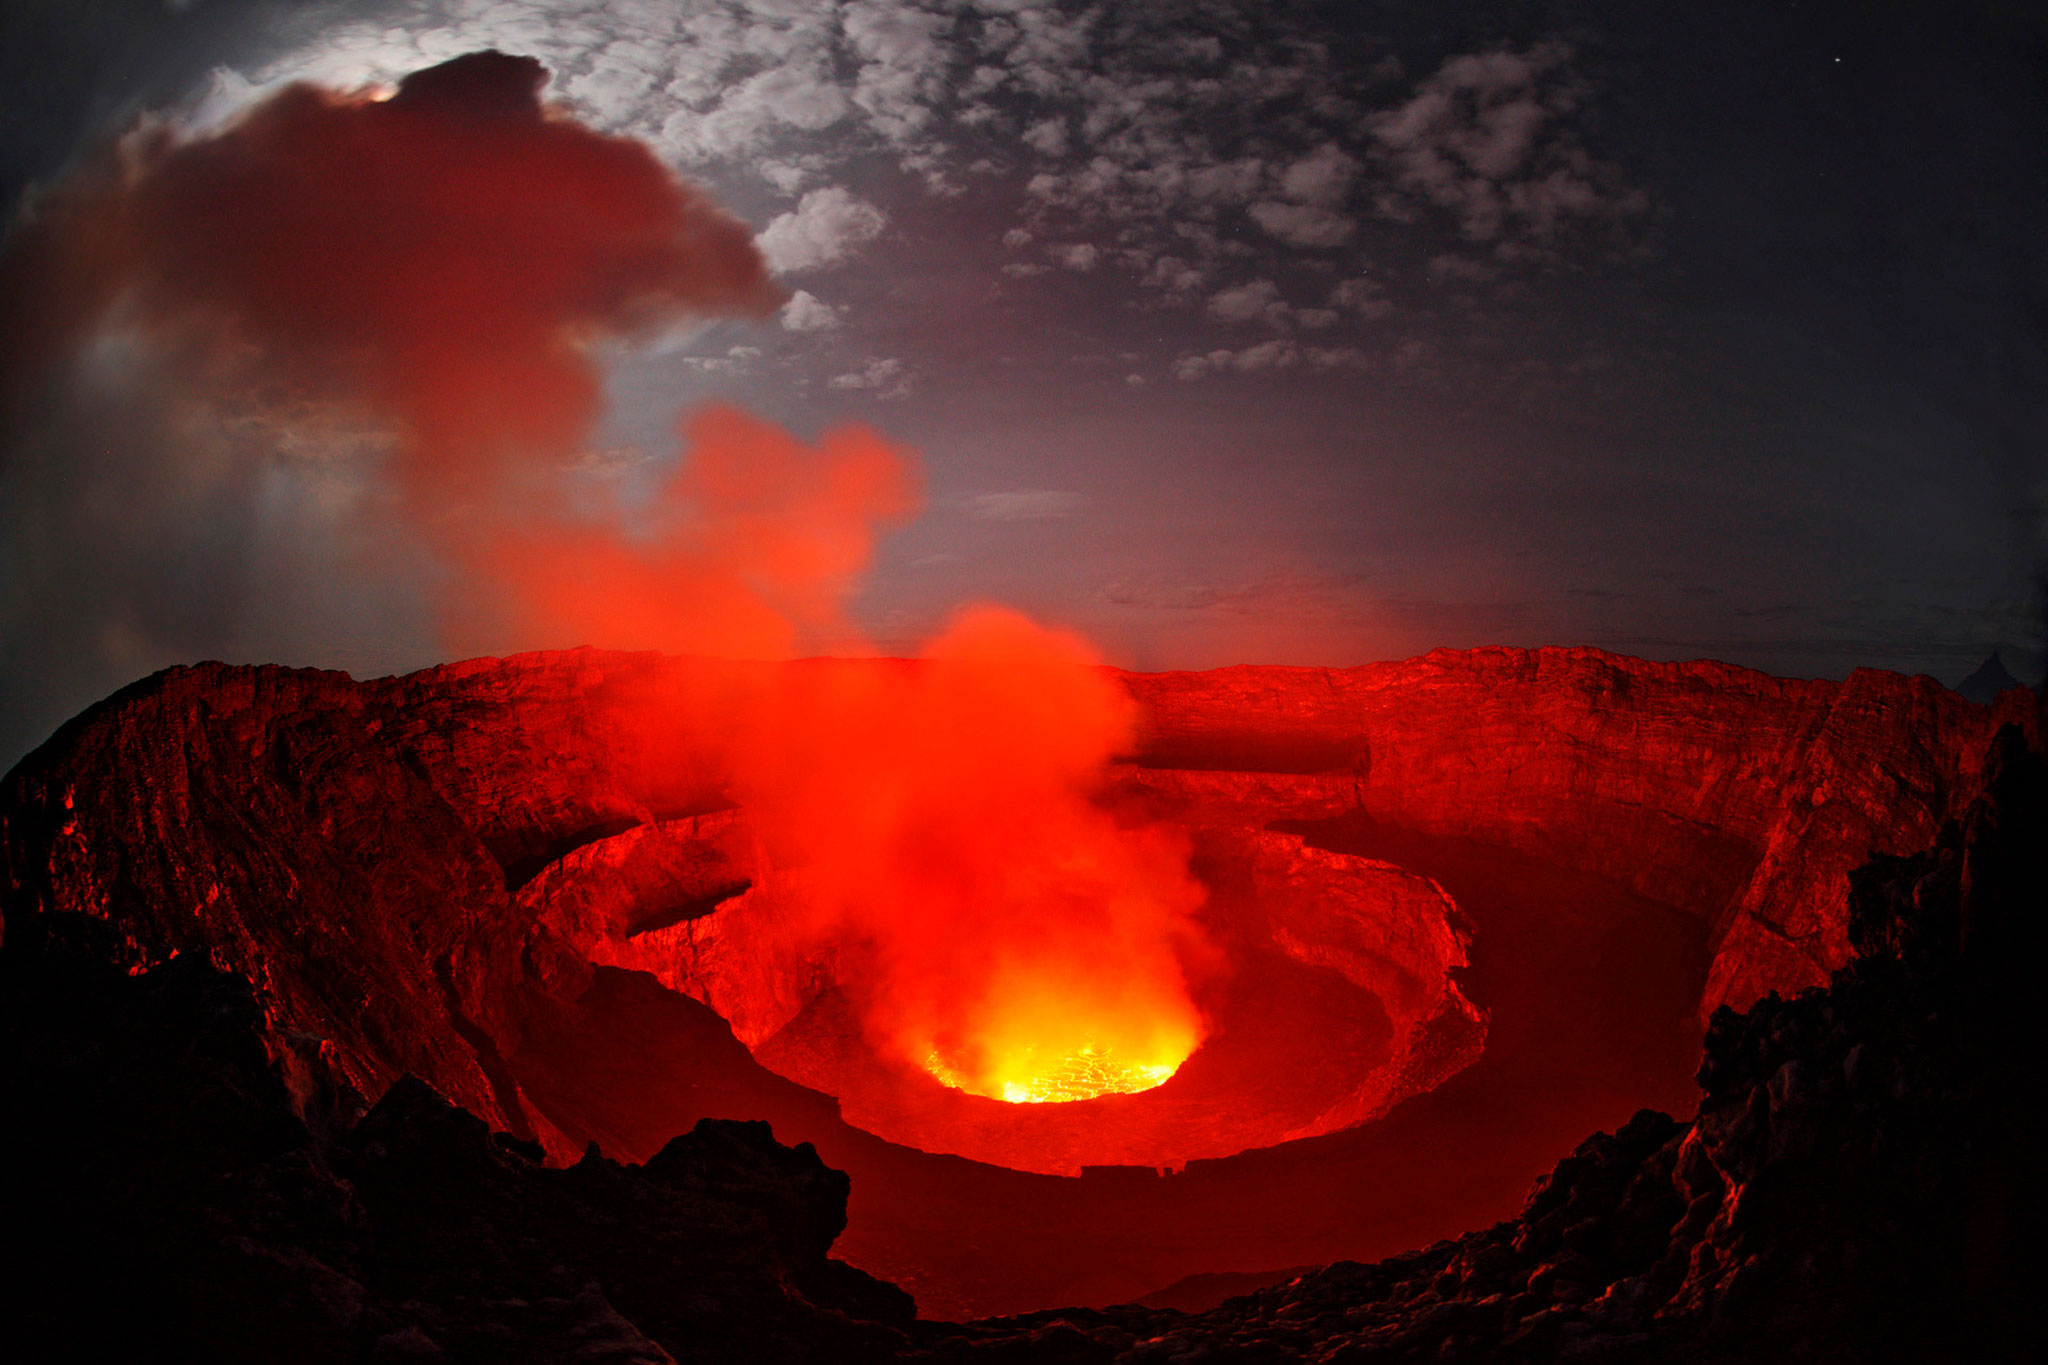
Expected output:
(1990, 679)
(165, 1203)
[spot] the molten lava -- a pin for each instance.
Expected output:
(1082, 1075)
(1069, 1027)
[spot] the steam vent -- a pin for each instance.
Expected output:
(440, 1013)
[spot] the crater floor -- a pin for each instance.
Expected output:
(1591, 991)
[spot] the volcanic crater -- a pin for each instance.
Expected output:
(1457, 911)
(1328, 996)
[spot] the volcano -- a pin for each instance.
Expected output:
(1455, 912)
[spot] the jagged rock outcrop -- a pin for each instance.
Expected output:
(1857, 1183)
(354, 849)
(165, 1202)
(1735, 796)
(1389, 932)
(260, 819)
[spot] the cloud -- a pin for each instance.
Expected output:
(1364, 297)
(902, 65)
(1151, 127)
(805, 312)
(1256, 300)
(1287, 592)
(1277, 354)
(1337, 358)
(615, 88)
(1322, 178)
(1082, 258)
(1303, 224)
(331, 354)
(1268, 355)
(1227, 182)
(736, 360)
(1047, 137)
(885, 378)
(1175, 276)
(1024, 504)
(825, 228)
(799, 97)
(1489, 138)
(1462, 269)
(789, 174)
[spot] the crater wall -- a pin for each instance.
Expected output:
(372, 854)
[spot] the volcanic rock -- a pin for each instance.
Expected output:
(358, 849)
(166, 1203)
(1343, 965)
(443, 875)
(1857, 1183)
(1738, 797)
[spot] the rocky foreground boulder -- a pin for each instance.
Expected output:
(167, 1203)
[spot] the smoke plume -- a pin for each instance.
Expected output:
(386, 307)
(347, 340)
(994, 922)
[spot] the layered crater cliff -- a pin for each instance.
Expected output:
(463, 873)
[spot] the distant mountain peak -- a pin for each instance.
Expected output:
(1990, 679)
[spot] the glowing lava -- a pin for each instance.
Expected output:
(1081, 1075)
(1065, 1029)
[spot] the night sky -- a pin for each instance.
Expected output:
(1225, 333)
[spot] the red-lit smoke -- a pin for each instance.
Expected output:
(441, 256)
(748, 549)
(441, 262)
(995, 922)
